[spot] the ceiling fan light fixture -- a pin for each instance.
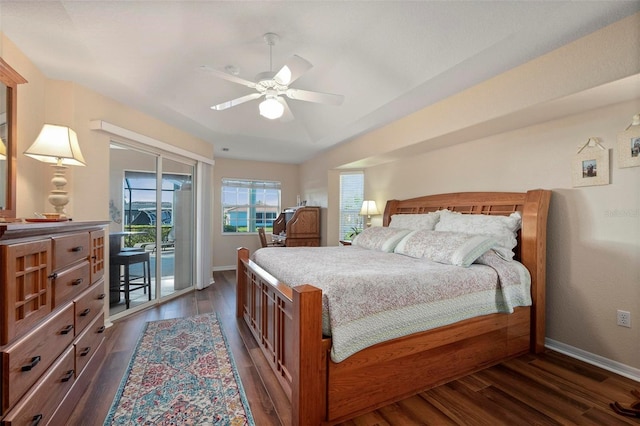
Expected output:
(270, 108)
(274, 86)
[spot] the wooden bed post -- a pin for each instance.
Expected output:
(534, 249)
(309, 361)
(241, 280)
(391, 206)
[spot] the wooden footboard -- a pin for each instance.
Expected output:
(287, 325)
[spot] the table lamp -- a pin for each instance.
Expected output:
(57, 145)
(369, 208)
(3, 150)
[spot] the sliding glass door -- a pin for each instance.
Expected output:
(152, 227)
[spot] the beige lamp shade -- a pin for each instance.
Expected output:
(3, 150)
(369, 208)
(58, 145)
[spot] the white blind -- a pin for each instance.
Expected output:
(351, 197)
(252, 184)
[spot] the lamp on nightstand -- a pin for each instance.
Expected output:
(59, 146)
(368, 209)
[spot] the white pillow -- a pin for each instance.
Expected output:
(452, 248)
(380, 238)
(415, 221)
(503, 228)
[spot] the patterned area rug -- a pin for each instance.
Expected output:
(181, 373)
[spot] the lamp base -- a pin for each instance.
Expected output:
(58, 197)
(368, 221)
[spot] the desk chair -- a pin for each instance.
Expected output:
(263, 240)
(126, 259)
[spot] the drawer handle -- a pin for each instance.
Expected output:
(101, 329)
(85, 351)
(67, 329)
(77, 282)
(34, 361)
(53, 276)
(36, 420)
(85, 312)
(77, 249)
(67, 376)
(101, 296)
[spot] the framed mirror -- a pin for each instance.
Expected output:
(9, 80)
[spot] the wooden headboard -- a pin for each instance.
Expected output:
(532, 239)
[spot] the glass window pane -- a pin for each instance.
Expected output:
(248, 204)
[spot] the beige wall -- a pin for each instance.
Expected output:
(225, 245)
(520, 131)
(43, 100)
(535, 92)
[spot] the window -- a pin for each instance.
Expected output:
(249, 204)
(351, 197)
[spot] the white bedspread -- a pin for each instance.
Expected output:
(369, 296)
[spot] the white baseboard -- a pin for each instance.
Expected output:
(593, 359)
(224, 268)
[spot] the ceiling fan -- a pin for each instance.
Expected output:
(274, 86)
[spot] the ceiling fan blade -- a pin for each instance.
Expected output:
(236, 101)
(228, 77)
(318, 97)
(287, 115)
(292, 70)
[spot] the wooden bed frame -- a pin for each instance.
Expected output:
(287, 325)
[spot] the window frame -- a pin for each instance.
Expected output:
(357, 222)
(252, 221)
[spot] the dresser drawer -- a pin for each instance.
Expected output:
(71, 282)
(69, 249)
(88, 305)
(25, 288)
(28, 358)
(44, 398)
(88, 342)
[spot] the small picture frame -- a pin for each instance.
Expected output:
(629, 147)
(591, 165)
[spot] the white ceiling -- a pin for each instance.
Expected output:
(388, 58)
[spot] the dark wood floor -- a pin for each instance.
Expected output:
(549, 389)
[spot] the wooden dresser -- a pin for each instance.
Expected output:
(301, 226)
(52, 317)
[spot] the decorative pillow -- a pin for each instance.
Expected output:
(503, 228)
(452, 248)
(380, 238)
(415, 221)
